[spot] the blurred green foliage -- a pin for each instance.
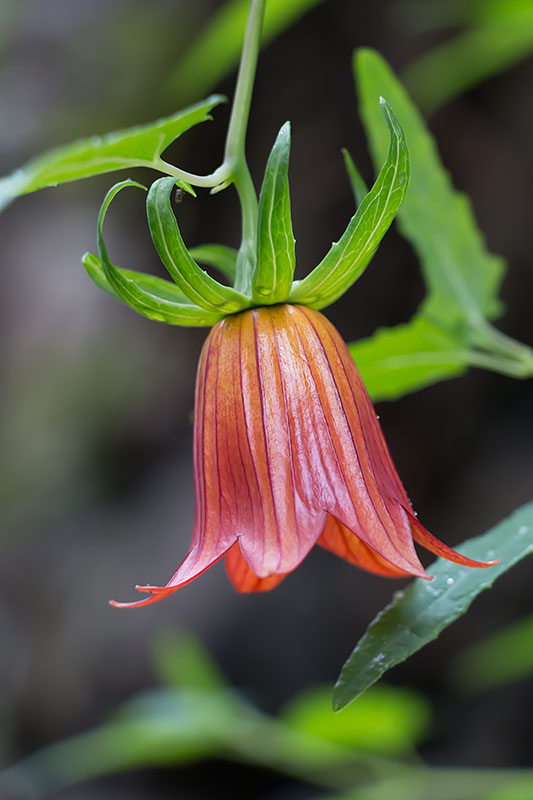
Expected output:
(497, 34)
(368, 751)
(215, 53)
(385, 720)
(502, 658)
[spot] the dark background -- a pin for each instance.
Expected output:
(96, 484)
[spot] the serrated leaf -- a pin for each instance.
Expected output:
(196, 284)
(359, 187)
(143, 298)
(419, 613)
(216, 51)
(219, 256)
(274, 269)
(348, 258)
(462, 277)
(140, 146)
(396, 361)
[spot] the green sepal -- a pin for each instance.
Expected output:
(196, 284)
(150, 296)
(348, 258)
(359, 187)
(219, 256)
(149, 283)
(274, 269)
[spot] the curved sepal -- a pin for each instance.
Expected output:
(348, 258)
(274, 270)
(219, 256)
(196, 284)
(150, 296)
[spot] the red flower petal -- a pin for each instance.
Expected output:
(243, 577)
(288, 451)
(434, 545)
(337, 538)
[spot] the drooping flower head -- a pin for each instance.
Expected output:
(288, 451)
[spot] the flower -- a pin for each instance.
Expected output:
(288, 452)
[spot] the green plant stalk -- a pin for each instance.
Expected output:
(234, 168)
(234, 154)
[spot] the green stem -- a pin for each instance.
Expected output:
(234, 168)
(240, 112)
(235, 151)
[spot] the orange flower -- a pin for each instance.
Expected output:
(288, 452)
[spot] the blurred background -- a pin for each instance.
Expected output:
(96, 485)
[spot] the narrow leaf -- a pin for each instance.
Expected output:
(140, 146)
(218, 256)
(146, 300)
(274, 270)
(216, 51)
(419, 613)
(359, 187)
(196, 284)
(462, 277)
(396, 361)
(348, 258)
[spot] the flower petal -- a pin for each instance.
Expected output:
(243, 577)
(364, 488)
(285, 527)
(214, 531)
(434, 545)
(340, 540)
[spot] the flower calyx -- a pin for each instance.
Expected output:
(261, 272)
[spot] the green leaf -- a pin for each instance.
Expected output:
(219, 256)
(348, 257)
(142, 297)
(216, 51)
(419, 613)
(501, 35)
(359, 187)
(181, 661)
(399, 360)
(274, 270)
(196, 284)
(518, 789)
(140, 146)
(385, 720)
(502, 658)
(462, 277)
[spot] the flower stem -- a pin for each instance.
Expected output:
(234, 168)
(236, 136)
(235, 153)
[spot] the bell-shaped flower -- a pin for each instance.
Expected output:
(288, 453)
